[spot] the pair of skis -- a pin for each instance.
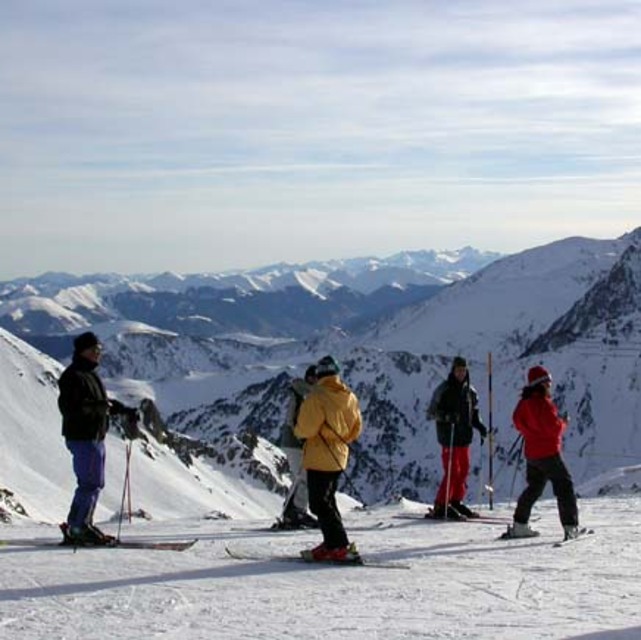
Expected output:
(429, 516)
(376, 526)
(169, 545)
(236, 554)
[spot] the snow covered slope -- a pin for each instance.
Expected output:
(35, 466)
(462, 584)
(609, 311)
(503, 307)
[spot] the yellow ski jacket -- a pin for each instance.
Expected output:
(329, 419)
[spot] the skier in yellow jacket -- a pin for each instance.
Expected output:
(329, 420)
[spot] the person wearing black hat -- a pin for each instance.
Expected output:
(454, 406)
(85, 410)
(294, 514)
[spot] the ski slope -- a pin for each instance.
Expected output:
(463, 584)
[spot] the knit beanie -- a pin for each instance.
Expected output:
(537, 375)
(459, 361)
(327, 366)
(85, 341)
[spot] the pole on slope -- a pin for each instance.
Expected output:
(490, 438)
(126, 489)
(347, 480)
(449, 472)
(517, 465)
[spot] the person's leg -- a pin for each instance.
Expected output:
(563, 488)
(298, 502)
(460, 472)
(443, 494)
(322, 502)
(536, 480)
(89, 468)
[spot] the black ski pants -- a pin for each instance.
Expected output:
(322, 487)
(537, 474)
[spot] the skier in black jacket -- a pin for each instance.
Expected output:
(85, 410)
(454, 406)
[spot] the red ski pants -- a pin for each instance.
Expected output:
(458, 464)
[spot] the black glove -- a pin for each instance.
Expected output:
(130, 423)
(482, 429)
(116, 407)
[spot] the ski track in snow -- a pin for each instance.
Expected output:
(463, 583)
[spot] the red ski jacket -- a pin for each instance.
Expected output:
(538, 421)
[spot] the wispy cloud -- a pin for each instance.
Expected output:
(231, 99)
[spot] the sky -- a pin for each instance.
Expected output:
(214, 135)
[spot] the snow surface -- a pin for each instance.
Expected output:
(36, 467)
(462, 583)
(504, 306)
(67, 318)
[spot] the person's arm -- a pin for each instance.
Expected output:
(433, 410)
(311, 418)
(357, 427)
(553, 420)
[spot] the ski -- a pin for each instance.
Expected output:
(235, 554)
(273, 529)
(427, 517)
(584, 534)
(480, 519)
(170, 545)
(377, 526)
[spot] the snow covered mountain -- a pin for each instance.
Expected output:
(521, 308)
(505, 306)
(609, 310)
(503, 309)
(229, 478)
(258, 301)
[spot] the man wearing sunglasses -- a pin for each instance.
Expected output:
(85, 410)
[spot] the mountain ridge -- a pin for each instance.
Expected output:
(225, 390)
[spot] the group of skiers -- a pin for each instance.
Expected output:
(323, 419)
(454, 408)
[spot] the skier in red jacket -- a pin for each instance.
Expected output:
(537, 420)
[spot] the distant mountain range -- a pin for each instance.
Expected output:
(279, 301)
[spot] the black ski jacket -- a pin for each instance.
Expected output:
(454, 406)
(83, 402)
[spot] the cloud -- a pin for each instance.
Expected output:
(339, 106)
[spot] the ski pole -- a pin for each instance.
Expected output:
(506, 458)
(449, 472)
(516, 468)
(490, 435)
(129, 482)
(124, 489)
